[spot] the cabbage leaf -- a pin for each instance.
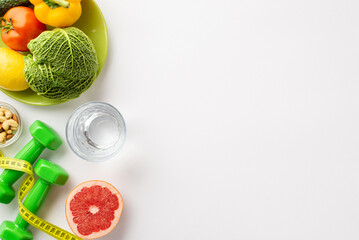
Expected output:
(62, 64)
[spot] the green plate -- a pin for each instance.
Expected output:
(91, 22)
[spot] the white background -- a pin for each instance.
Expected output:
(242, 120)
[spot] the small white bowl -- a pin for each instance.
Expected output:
(19, 129)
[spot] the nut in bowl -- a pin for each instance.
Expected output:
(10, 124)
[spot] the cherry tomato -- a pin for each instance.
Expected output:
(19, 26)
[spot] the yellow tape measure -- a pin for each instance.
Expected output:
(25, 187)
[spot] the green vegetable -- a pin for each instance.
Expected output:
(52, 4)
(62, 64)
(5, 5)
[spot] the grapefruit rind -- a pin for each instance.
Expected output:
(117, 213)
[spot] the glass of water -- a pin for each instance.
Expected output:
(96, 131)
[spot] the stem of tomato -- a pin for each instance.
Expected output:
(62, 3)
(8, 24)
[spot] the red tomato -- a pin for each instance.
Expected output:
(19, 26)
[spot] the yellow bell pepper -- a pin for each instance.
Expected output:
(57, 13)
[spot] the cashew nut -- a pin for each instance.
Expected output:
(6, 112)
(3, 119)
(10, 123)
(2, 137)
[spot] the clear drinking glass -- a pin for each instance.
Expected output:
(96, 131)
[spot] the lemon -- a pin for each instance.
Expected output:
(12, 70)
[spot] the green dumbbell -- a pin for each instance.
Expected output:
(43, 137)
(49, 174)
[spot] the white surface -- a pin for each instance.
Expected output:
(242, 120)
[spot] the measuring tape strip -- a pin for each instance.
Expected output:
(25, 187)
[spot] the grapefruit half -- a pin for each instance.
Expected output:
(93, 209)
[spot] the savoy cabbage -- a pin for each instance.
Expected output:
(62, 64)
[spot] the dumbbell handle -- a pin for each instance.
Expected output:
(30, 152)
(34, 200)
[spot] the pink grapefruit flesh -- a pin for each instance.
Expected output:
(93, 209)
